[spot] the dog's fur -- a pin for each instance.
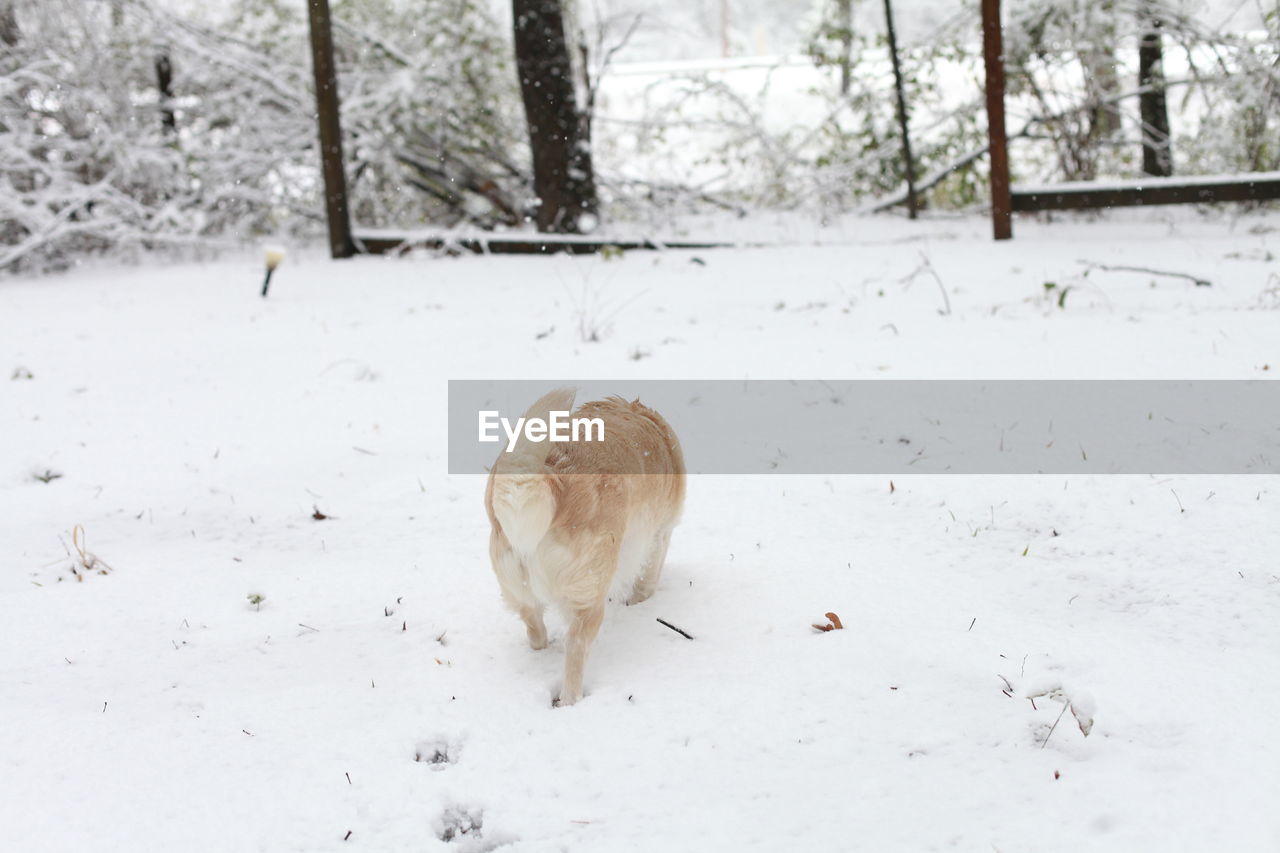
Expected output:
(573, 521)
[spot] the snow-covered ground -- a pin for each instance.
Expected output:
(378, 697)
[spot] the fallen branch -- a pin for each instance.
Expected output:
(1199, 282)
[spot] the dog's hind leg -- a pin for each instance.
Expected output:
(648, 581)
(534, 626)
(513, 580)
(584, 625)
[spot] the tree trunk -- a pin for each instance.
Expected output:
(908, 162)
(998, 142)
(9, 32)
(1102, 83)
(563, 177)
(164, 82)
(844, 26)
(1157, 158)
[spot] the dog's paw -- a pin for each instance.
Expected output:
(537, 636)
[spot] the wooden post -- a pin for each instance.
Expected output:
(335, 180)
(993, 52)
(908, 161)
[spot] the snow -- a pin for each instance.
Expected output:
(378, 688)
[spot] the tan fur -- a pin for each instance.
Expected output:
(568, 528)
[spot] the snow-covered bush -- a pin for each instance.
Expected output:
(95, 158)
(1074, 88)
(779, 135)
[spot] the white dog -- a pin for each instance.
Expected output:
(573, 521)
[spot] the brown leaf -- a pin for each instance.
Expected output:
(834, 625)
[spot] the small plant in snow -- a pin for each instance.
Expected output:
(84, 561)
(594, 314)
(1270, 296)
(1053, 291)
(256, 599)
(1081, 706)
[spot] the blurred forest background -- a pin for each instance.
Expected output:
(141, 125)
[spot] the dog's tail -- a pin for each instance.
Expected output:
(523, 501)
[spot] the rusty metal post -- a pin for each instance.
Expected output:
(993, 52)
(335, 180)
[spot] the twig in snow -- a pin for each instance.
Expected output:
(1199, 282)
(88, 560)
(679, 631)
(1181, 508)
(1065, 706)
(946, 300)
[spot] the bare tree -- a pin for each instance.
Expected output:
(1154, 109)
(844, 33)
(559, 131)
(1101, 80)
